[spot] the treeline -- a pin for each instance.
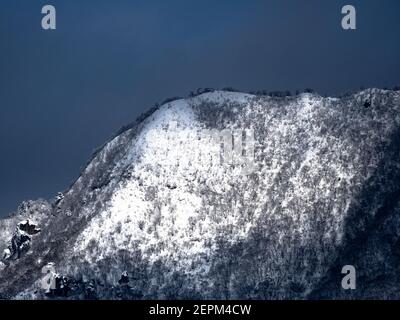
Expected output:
(199, 91)
(275, 93)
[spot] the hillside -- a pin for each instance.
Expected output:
(170, 208)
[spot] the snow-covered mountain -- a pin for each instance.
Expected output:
(224, 195)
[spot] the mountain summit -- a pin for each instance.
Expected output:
(223, 196)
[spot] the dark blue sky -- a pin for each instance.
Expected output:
(64, 92)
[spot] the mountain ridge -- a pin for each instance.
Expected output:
(298, 154)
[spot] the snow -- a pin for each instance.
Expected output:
(161, 209)
(170, 151)
(173, 196)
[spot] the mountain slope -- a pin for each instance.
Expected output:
(163, 211)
